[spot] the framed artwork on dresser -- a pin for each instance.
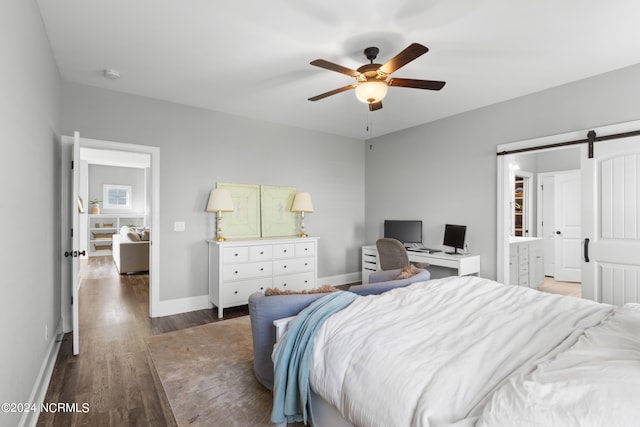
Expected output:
(244, 221)
(277, 220)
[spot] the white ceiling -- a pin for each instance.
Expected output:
(251, 57)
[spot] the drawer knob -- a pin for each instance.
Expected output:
(306, 263)
(285, 251)
(235, 292)
(261, 288)
(261, 252)
(284, 284)
(236, 254)
(284, 266)
(235, 272)
(306, 249)
(261, 269)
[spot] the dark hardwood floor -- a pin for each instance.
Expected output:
(113, 374)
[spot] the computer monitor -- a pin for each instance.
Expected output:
(454, 236)
(407, 231)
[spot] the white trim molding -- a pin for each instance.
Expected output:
(340, 279)
(41, 385)
(181, 305)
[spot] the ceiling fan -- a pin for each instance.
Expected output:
(372, 79)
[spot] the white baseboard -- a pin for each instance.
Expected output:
(40, 387)
(340, 279)
(181, 305)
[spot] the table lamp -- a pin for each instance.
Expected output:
(220, 201)
(302, 203)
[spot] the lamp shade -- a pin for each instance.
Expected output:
(371, 92)
(220, 201)
(302, 203)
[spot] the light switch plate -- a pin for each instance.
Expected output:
(178, 226)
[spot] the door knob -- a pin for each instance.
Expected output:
(74, 254)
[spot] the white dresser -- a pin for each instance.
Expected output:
(526, 261)
(239, 268)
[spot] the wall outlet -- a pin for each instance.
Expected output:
(179, 226)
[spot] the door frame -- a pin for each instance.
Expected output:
(154, 218)
(504, 190)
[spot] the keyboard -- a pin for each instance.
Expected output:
(429, 250)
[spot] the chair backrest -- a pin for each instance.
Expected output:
(391, 254)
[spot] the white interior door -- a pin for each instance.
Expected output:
(568, 228)
(611, 205)
(548, 221)
(75, 241)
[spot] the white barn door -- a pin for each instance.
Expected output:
(611, 222)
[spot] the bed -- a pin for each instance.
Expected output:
(466, 351)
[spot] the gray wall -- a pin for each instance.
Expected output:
(135, 177)
(558, 160)
(29, 173)
(199, 148)
(445, 171)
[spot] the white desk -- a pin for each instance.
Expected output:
(463, 264)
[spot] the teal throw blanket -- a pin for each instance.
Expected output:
(291, 390)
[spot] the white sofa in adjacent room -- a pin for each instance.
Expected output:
(131, 250)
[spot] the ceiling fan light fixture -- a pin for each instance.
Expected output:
(371, 92)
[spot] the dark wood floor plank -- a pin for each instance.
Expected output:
(113, 372)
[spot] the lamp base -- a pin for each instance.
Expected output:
(220, 239)
(303, 235)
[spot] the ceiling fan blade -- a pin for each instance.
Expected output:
(403, 58)
(332, 92)
(416, 84)
(375, 106)
(334, 67)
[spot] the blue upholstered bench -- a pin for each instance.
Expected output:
(265, 309)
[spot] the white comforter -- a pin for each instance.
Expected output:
(431, 354)
(594, 383)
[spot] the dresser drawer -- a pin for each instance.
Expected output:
(238, 292)
(523, 280)
(367, 257)
(294, 265)
(295, 282)
(260, 253)
(284, 250)
(523, 269)
(246, 271)
(305, 249)
(235, 254)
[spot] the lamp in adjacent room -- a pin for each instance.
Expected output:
(220, 201)
(302, 203)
